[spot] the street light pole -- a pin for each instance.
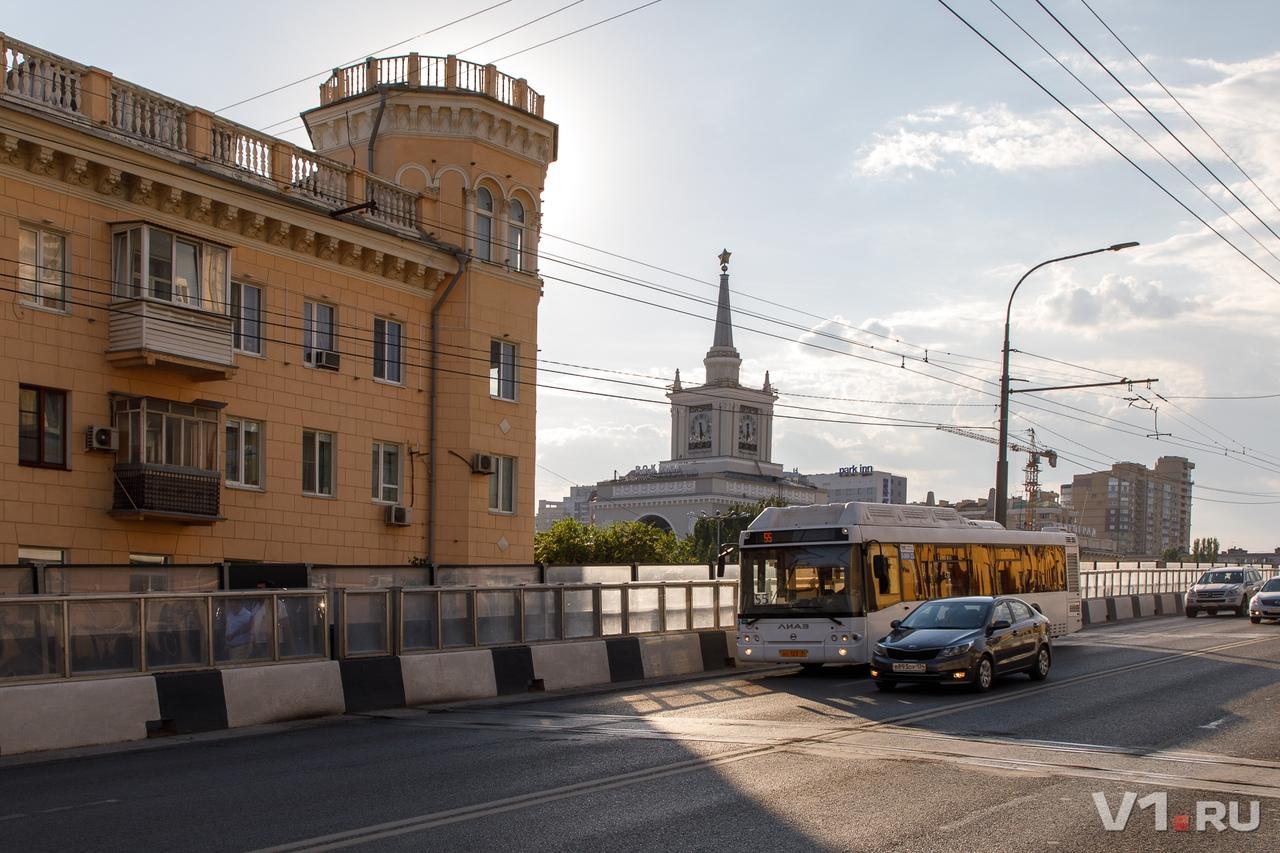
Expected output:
(1002, 465)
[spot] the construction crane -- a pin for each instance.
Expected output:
(1031, 478)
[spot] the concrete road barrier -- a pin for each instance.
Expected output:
(270, 694)
(65, 714)
(90, 712)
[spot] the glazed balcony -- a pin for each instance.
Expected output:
(152, 333)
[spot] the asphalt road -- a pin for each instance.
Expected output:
(1184, 710)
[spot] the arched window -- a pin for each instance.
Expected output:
(484, 224)
(516, 244)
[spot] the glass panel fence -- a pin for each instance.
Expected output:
(104, 636)
(610, 611)
(365, 615)
(30, 640)
(677, 606)
(704, 606)
(497, 618)
(421, 624)
(642, 610)
(579, 615)
(242, 629)
(457, 625)
(302, 625)
(176, 634)
(541, 616)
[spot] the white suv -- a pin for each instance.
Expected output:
(1223, 589)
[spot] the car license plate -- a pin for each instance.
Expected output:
(908, 667)
(794, 653)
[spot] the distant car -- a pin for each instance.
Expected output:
(969, 641)
(1266, 603)
(1223, 589)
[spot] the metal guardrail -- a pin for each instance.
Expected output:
(1146, 581)
(44, 638)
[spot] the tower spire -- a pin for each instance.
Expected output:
(722, 361)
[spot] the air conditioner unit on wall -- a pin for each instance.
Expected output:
(101, 438)
(399, 515)
(327, 359)
(484, 463)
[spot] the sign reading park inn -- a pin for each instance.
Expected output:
(856, 471)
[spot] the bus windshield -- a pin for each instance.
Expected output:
(818, 578)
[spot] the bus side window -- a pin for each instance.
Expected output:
(981, 577)
(884, 572)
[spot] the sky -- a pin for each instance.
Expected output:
(882, 177)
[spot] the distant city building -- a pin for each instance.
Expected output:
(862, 483)
(576, 505)
(1242, 555)
(1143, 510)
(721, 448)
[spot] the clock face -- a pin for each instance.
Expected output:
(700, 430)
(747, 429)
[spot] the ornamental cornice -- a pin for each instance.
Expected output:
(88, 174)
(467, 117)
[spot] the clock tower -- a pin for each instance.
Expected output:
(721, 421)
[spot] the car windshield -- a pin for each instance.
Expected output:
(949, 614)
(1272, 585)
(1221, 577)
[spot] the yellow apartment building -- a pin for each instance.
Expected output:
(219, 346)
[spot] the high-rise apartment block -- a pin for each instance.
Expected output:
(1143, 510)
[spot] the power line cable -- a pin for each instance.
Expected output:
(575, 32)
(1157, 119)
(1130, 126)
(1106, 141)
(1181, 106)
(520, 27)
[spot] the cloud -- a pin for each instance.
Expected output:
(941, 138)
(1116, 300)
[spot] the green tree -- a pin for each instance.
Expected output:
(1172, 554)
(571, 543)
(732, 522)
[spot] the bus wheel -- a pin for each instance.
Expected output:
(887, 686)
(983, 674)
(810, 668)
(1040, 671)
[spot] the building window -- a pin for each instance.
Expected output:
(318, 320)
(387, 362)
(317, 463)
(42, 268)
(516, 241)
(28, 555)
(42, 427)
(484, 224)
(246, 318)
(162, 432)
(502, 370)
(386, 472)
(157, 264)
(502, 486)
(244, 453)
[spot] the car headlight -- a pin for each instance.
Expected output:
(881, 650)
(958, 649)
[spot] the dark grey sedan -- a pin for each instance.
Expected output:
(967, 641)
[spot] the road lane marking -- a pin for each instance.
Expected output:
(1214, 725)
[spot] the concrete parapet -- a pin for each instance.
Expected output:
(76, 713)
(672, 654)
(561, 666)
(448, 676)
(270, 694)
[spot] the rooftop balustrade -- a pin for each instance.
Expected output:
(446, 73)
(153, 121)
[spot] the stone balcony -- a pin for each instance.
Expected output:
(445, 73)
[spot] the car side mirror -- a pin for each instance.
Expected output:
(895, 624)
(998, 625)
(1036, 608)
